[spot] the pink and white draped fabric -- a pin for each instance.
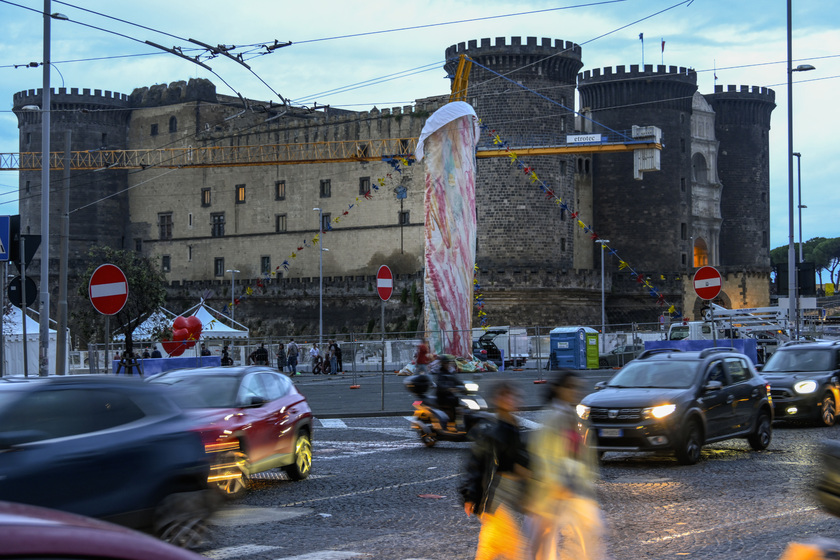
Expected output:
(448, 144)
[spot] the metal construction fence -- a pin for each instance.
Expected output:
(363, 352)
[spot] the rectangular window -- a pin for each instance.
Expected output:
(265, 265)
(189, 220)
(682, 145)
(218, 266)
(325, 188)
(165, 225)
(154, 131)
(28, 137)
(325, 222)
(279, 223)
(403, 218)
(682, 184)
(138, 244)
(364, 185)
(683, 231)
(562, 244)
(683, 258)
(27, 186)
(104, 139)
(280, 190)
(403, 146)
(240, 194)
(166, 263)
(362, 150)
(189, 253)
(205, 197)
(217, 224)
(764, 239)
(562, 214)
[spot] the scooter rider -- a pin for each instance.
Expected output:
(448, 387)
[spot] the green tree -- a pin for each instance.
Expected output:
(146, 292)
(828, 252)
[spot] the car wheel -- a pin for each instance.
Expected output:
(688, 453)
(760, 438)
(229, 474)
(302, 466)
(181, 519)
(828, 410)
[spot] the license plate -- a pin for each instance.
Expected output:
(609, 432)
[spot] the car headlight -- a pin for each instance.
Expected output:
(660, 411)
(471, 387)
(582, 411)
(805, 387)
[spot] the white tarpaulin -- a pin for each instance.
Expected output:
(145, 332)
(13, 344)
(214, 324)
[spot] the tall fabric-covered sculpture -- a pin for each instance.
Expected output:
(448, 144)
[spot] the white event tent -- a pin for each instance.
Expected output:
(215, 325)
(14, 346)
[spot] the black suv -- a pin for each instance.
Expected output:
(805, 381)
(667, 400)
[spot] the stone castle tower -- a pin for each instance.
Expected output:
(95, 120)
(518, 227)
(742, 125)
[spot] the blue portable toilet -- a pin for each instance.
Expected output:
(567, 346)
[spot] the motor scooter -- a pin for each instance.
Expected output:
(433, 424)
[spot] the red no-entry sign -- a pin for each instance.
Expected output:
(108, 289)
(384, 282)
(707, 282)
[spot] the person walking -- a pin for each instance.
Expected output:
(281, 358)
(315, 358)
(226, 361)
(422, 358)
(560, 496)
(292, 352)
(338, 357)
(495, 471)
(333, 354)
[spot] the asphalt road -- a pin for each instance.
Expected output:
(377, 493)
(331, 396)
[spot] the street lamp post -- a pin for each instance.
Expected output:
(233, 273)
(801, 259)
(793, 296)
(320, 278)
(603, 243)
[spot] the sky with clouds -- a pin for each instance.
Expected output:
(387, 54)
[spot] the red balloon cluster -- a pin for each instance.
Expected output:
(185, 333)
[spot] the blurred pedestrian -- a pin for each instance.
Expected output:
(333, 355)
(281, 358)
(146, 353)
(259, 356)
(292, 352)
(338, 357)
(315, 358)
(560, 497)
(226, 361)
(156, 353)
(204, 350)
(496, 470)
(422, 358)
(447, 387)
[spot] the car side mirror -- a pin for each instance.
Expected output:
(712, 386)
(255, 402)
(600, 385)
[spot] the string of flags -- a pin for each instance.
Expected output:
(478, 298)
(397, 163)
(552, 196)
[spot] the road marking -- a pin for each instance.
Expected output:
(326, 555)
(728, 525)
(528, 424)
(332, 423)
(370, 491)
(237, 551)
(347, 449)
(409, 418)
(250, 515)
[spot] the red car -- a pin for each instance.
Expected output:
(251, 418)
(34, 532)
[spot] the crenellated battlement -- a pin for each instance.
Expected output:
(756, 92)
(671, 73)
(515, 46)
(110, 99)
(196, 89)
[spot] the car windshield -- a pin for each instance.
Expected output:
(659, 374)
(202, 391)
(796, 360)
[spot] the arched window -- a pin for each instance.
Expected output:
(701, 253)
(173, 124)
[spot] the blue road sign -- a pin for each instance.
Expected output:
(5, 237)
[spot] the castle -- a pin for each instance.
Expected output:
(709, 204)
